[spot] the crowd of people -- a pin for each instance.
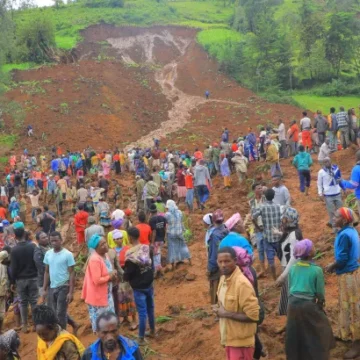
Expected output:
(123, 238)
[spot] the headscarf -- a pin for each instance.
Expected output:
(117, 223)
(13, 199)
(3, 255)
(347, 214)
(117, 234)
(171, 206)
(9, 341)
(128, 212)
(230, 223)
(303, 248)
(94, 241)
(139, 255)
(207, 219)
(18, 225)
(291, 215)
(244, 261)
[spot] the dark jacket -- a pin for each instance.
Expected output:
(138, 277)
(213, 246)
(321, 124)
(39, 254)
(22, 261)
(129, 350)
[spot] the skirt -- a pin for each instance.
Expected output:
(181, 191)
(95, 311)
(126, 303)
(284, 297)
(349, 310)
(157, 255)
(227, 181)
(177, 249)
(308, 331)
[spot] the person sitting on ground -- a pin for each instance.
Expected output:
(54, 342)
(111, 345)
(9, 345)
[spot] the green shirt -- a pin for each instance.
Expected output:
(306, 280)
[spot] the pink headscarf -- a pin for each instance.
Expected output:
(303, 248)
(244, 260)
(230, 223)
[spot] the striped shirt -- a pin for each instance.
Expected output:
(342, 119)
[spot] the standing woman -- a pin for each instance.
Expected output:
(289, 237)
(116, 159)
(104, 212)
(225, 171)
(308, 331)
(177, 248)
(346, 267)
(97, 288)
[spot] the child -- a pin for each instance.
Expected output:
(126, 301)
(189, 183)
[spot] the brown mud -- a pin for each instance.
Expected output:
(133, 84)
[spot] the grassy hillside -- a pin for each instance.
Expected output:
(70, 19)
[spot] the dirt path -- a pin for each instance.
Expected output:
(166, 77)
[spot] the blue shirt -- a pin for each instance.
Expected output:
(354, 182)
(66, 161)
(30, 183)
(59, 262)
(235, 239)
(55, 165)
(346, 250)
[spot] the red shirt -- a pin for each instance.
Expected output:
(234, 147)
(294, 133)
(198, 155)
(145, 233)
(189, 183)
(180, 177)
(3, 213)
(116, 157)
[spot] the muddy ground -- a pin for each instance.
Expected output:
(130, 85)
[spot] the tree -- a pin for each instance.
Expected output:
(37, 37)
(339, 39)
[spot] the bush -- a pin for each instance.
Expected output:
(104, 3)
(337, 88)
(280, 99)
(36, 38)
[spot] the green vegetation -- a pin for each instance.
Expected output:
(324, 104)
(217, 42)
(22, 66)
(8, 141)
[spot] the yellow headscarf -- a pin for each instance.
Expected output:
(49, 353)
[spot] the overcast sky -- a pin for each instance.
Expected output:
(41, 3)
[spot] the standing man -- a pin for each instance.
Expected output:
(354, 182)
(324, 151)
(24, 273)
(293, 134)
(82, 194)
(333, 129)
(59, 271)
(329, 189)
(342, 119)
(34, 199)
(80, 222)
(271, 217)
(62, 184)
(111, 345)
(237, 309)
(218, 233)
(47, 221)
(202, 179)
(93, 229)
(272, 157)
(305, 127)
(302, 161)
(282, 194)
(140, 184)
(39, 253)
(321, 126)
(255, 203)
(216, 156)
(282, 139)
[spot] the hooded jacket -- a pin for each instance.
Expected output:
(213, 246)
(201, 175)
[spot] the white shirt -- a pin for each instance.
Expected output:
(305, 123)
(327, 185)
(117, 214)
(281, 131)
(324, 152)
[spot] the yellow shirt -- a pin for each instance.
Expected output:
(112, 243)
(122, 159)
